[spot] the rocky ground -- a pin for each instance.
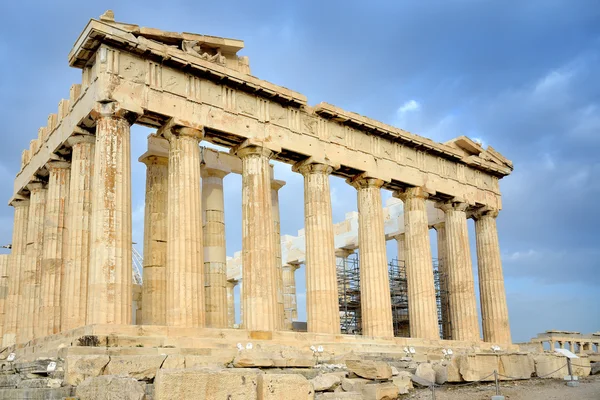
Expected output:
(533, 389)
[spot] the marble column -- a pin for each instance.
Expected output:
(401, 245)
(79, 211)
(16, 263)
(154, 289)
(275, 186)
(259, 272)
(422, 305)
(55, 249)
(494, 311)
(322, 308)
(109, 297)
(31, 272)
(289, 295)
(572, 347)
(185, 269)
(231, 302)
(376, 306)
(443, 280)
(461, 285)
(215, 257)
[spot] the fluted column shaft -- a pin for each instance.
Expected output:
(401, 245)
(55, 249)
(109, 298)
(31, 273)
(461, 285)
(3, 290)
(422, 305)
(185, 269)
(215, 257)
(322, 307)
(275, 186)
(376, 306)
(75, 280)
(16, 263)
(154, 290)
(494, 311)
(259, 272)
(289, 295)
(231, 303)
(443, 279)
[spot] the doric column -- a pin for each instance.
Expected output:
(461, 286)
(55, 249)
(401, 245)
(109, 276)
(215, 257)
(572, 346)
(154, 289)
(322, 309)
(494, 311)
(561, 344)
(289, 295)
(275, 186)
(16, 263)
(185, 269)
(376, 306)
(31, 273)
(443, 280)
(422, 305)
(231, 302)
(259, 272)
(75, 280)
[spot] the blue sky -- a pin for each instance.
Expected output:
(522, 76)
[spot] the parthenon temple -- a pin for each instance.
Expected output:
(69, 273)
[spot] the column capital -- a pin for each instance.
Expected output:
(363, 181)
(439, 225)
(312, 165)
(420, 192)
(343, 253)
(178, 127)
(484, 212)
(36, 186)
(247, 150)
(452, 205)
(291, 266)
(115, 110)
(233, 282)
(399, 236)
(56, 164)
(76, 139)
(19, 202)
(211, 171)
(277, 184)
(153, 159)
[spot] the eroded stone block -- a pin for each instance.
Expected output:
(109, 387)
(284, 386)
(191, 384)
(370, 369)
(138, 367)
(78, 368)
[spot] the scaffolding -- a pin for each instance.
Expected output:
(348, 278)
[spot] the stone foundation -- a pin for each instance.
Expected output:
(157, 362)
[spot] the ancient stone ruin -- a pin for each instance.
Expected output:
(71, 300)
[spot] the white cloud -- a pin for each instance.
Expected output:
(409, 106)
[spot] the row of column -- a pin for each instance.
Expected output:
(458, 300)
(75, 243)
